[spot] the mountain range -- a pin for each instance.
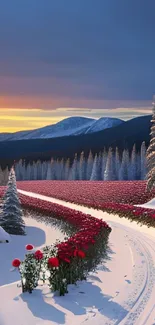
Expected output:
(124, 135)
(70, 126)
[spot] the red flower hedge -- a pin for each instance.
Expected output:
(91, 192)
(70, 260)
(115, 197)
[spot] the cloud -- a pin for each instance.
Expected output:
(77, 51)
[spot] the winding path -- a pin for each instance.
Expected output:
(129, 285)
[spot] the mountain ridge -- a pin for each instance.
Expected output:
(131, 132)
(70, 126)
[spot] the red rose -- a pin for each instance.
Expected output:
(53, 262)
(38, 255)
(67, 260)
(29, 247)
(16, 262)
(81, 254)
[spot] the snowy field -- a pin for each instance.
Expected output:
(123, 294)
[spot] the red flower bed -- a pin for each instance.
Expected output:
(90, 193)
(112, 197)
(70, 260)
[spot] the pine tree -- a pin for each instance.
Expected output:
(99, 166)
(124, 169)
(150, 155)
(67, 169)
(89, 166)
(117, 163)
(143, 160)
(82, 167)
(109, 170)
(104, 161)
(74, 169)
(133, 165)
(11, 220)
(48, 176)
(94, 174)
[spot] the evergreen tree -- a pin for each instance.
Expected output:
(104, 161)
(82, 167)
(74, 169)
(48, 176)
(62, 169)
(53, 169)
(150, 155)
(89, 166)
(124, 169)
(117, 163)
(133, 164)
(109, 170)
(94, 174)
(11, 220)
(67, 170)
(99, 166)
(143, 160)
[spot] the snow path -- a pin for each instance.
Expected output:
(124, 294)
(131, 280)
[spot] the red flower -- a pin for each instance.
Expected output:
(38, 255)
(67, 260)
(29, 247)
(16, 262)
(53, 262)
(81, 254)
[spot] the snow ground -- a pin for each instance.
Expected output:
(123, 294)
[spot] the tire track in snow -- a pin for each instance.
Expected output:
(138, 312)
(138, 306)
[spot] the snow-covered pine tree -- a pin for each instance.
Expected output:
(39, 170)
(150, 154)
(109, 170)
(12, 217)
(94, 174)
(89, 166)
(67, 169)
(62, 169)
(44, 170)
(28, 172)
(143, 160)
(48, 176)
(74, 169)
(117, 163)
(138, 166)
(104, 161)
(133, 164)
(53, 169)
(124, 169)
(99, 166)
(35, 171)
(82, 167)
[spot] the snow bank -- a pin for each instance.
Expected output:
(4, 236)
(148, 205)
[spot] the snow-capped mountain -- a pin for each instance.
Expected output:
(103, 123)
(70, 126)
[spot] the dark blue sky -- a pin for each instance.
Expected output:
(77, 50)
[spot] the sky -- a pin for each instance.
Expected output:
(61, 58)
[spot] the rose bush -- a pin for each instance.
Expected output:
(69, 261)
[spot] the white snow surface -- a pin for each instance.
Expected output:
(148, 205)
(70, 126)
(124, 294)
(4, 235)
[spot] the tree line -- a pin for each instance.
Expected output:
(107, 165)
